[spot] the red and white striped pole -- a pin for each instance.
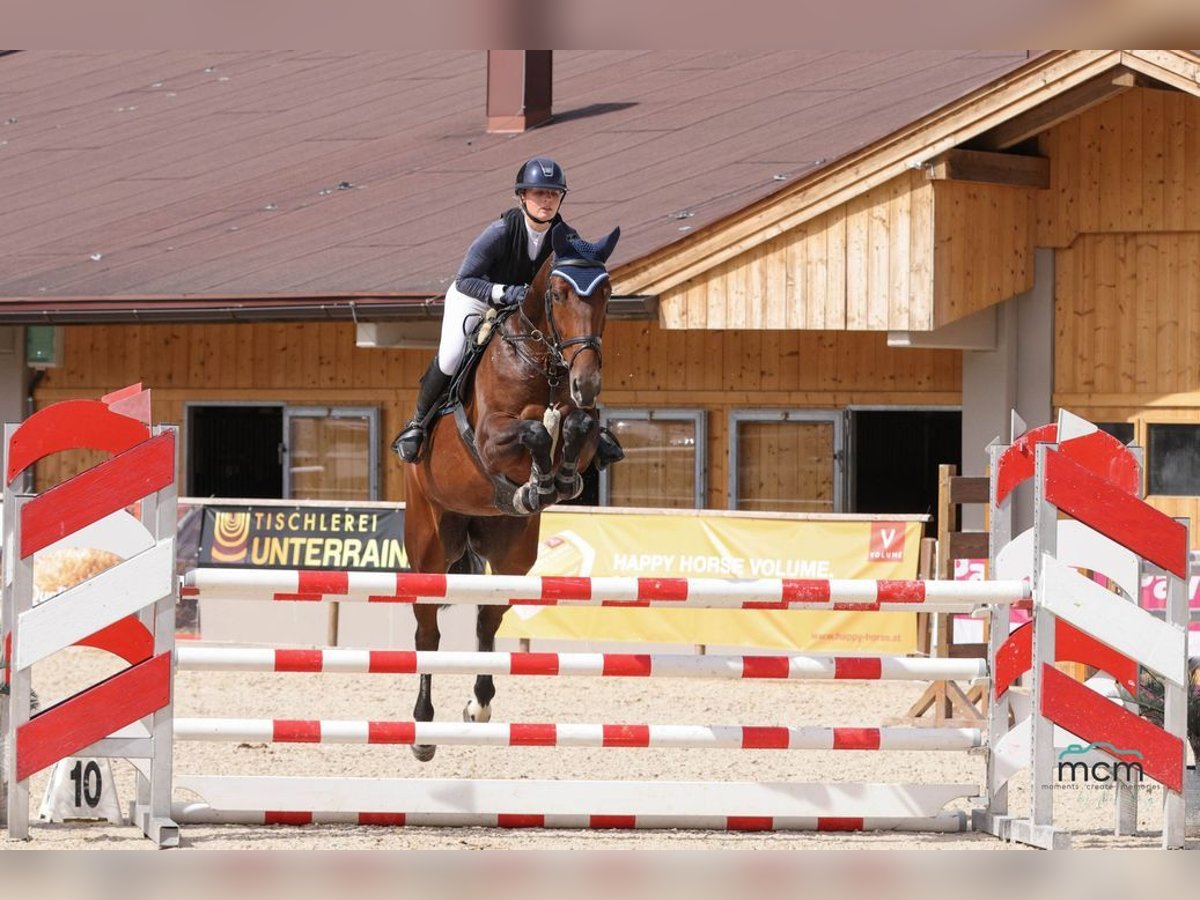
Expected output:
(793, 666)
(531, 590)
(549, 734)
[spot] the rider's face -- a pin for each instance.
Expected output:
(543, 202)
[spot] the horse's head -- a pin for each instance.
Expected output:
(576, 304)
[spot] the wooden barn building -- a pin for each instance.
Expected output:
(837, 270)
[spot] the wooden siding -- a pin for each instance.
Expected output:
(1127, 314)
(983, 251)
(1123, 209)
(645, 366)
(659, 465)
(1127, 322)
(910, 255)
(861, 266)
(786, 466)
(1131, 164)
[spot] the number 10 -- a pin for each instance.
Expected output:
(87, 783)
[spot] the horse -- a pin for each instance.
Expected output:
(525, 429)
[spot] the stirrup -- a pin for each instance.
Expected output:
(409, 442)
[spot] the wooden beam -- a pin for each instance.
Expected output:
(1066, 105)
(970, 489)
(1150, 83)
(1177, 68)
(993, 168)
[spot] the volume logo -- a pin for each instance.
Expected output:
(887, 541)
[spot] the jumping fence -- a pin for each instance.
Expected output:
(1089, 516)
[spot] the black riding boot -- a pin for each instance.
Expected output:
(408, 443)
(608, 450)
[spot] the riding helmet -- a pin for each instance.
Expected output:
(541, 172)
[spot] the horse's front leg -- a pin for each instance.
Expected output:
(539, 491)
(577, 428)
(427, 638)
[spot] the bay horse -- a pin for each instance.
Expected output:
(526, 428)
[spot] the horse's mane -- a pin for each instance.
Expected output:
(542, 276)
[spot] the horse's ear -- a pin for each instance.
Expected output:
(560, 241)
(608, 245)
(567, 244)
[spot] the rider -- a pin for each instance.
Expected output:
(497, 271)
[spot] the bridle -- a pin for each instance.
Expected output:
(555, 364)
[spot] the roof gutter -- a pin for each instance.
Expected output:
(131, 311)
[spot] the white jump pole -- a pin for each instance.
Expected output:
(842, 806)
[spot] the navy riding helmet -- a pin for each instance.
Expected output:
(541, 172)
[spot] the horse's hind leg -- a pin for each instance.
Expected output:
(487, 623)
(577, 427)
(510, 545)
(429, 539)
(427, 638)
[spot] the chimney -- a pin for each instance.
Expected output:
(518, 90)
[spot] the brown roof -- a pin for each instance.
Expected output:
(131, 176)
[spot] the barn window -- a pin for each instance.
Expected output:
(786, 461)
(331, 453)
(1122, 431)
(1173, 459)
(664, 461)
(275, 451)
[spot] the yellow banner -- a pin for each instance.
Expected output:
(689, 546)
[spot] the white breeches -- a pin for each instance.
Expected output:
(461, 312)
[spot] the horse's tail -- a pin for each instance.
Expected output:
(470, 563)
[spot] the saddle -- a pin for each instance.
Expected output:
(479, 336)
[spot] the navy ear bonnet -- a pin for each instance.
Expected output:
(581, 262)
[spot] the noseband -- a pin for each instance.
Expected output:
(555, 364)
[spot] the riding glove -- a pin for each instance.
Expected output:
(512, 295)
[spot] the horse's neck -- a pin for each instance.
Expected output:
(533, 307)
(505, 366)
(531, 317)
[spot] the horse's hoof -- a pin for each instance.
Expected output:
(569, 490)
(424, 752)
(473, 712)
